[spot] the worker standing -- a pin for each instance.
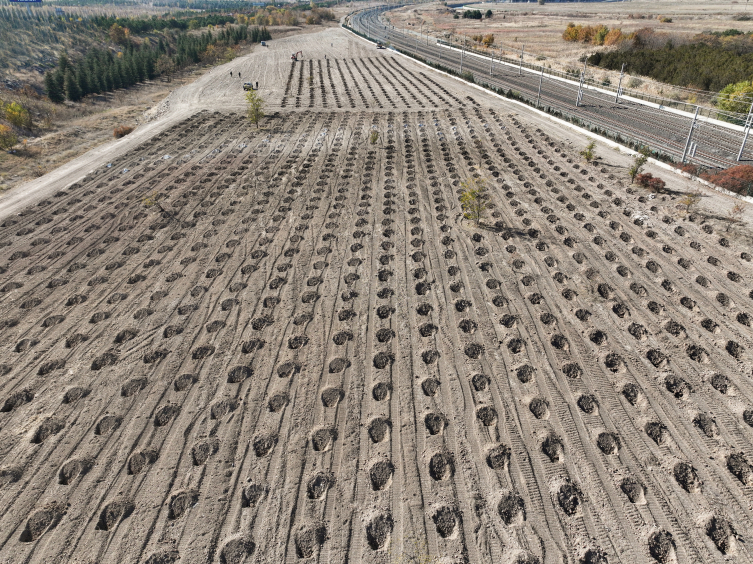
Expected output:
(231, 73)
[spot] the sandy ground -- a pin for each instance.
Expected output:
(75, 129)
(307, 353)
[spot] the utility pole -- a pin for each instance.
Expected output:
(462, 52)
(619, 85)
(690, 135)
(585, 67)
(580, 89)
(747, 130)
(520, 68)
(541, 79)
(491, 65)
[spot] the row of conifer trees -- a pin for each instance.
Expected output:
(102, 70)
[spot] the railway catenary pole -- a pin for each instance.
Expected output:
(580, 90)
(729, 140)
(520, 68)
(745, 134)
(462, 52)
(619, 85)
(541, 79)
(690, 135)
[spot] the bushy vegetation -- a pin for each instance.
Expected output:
(647, 180)
(254, 107)
(639, 161)
(487, 40)
(736, 97)
(738, 179)
(121, 131)
(707, 62)
(18, 116)
(473, 15)
(589, 153)
(592, 34)
(225, 5)
(8, 137)
(474, 199)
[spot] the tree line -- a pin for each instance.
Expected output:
(146, 25)
(593, 34)
(102, 70)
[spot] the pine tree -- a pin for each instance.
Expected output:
(59, 77)
(82, 76)
(117, 75)
(54, 93)
(148, 66)
(127, 76)
(63, 62)
(72, 90)
(108, 80)
(137, 69)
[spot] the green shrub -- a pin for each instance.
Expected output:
(8, 137)
(17, 115)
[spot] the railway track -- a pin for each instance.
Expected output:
(661, 130)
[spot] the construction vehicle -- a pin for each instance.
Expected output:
(379, 45)
(294, 56)
(248, 86)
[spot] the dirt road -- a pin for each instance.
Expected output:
(224, 344)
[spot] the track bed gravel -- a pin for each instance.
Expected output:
(310, 355)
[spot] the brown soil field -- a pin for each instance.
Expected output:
(304, 353)
(538, 29)
(76, 128)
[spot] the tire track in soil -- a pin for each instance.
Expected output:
(529, 477)
(332, 421)
(150, 445)
(226, 161)
(266, 369)
(97, 416)
(451, 378)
